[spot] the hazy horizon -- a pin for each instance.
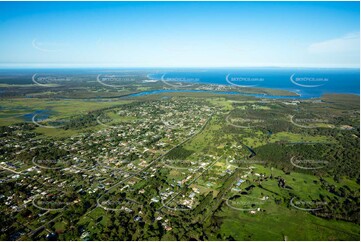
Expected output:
(172, 67)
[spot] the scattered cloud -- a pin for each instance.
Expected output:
(348, 44)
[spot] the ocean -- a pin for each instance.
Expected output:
(308, 83)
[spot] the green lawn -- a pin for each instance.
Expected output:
(292, 137)
(282, 220)
(13, 109)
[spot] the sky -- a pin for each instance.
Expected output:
(180, 34)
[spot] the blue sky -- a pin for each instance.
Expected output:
(179, 34)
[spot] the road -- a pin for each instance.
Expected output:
(8, 169)
(195, 179)
(155, 160)
(122, 181)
